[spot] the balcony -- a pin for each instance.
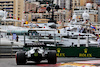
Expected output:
(9, 17)
(2, 1)
(8, 8)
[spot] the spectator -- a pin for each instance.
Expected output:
(82, 29)
(17, 38)
(72, 35)
(50, 36)
(64, 29)
(72, 44)
(99, 42)
(1, 36)
(78, 29)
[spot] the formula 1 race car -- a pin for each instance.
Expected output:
(37, 53)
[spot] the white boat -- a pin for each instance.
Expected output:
(5, 41)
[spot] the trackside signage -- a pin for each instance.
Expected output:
(59, 53)
(85, 53)
(77, 51)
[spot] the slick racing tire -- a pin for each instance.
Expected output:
(20, 58)
(52, 59)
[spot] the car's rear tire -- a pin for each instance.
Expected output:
(20, 58)
(52, 59)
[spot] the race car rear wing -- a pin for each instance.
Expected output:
(35, 44)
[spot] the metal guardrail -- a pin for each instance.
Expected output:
(9, 51)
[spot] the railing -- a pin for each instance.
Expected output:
(8, 50)
(88, 11)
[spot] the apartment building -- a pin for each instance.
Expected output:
(60, 15)
(63, 3)
(79, 6)
(13, 7)
(93, 14)
(98, 13)
(79, 3)
(96, 1)
(30, 7)
(75, 3)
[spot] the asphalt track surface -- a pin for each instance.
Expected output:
(11, 62)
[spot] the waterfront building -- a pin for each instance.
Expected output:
(63, 3)
(13, 7)
(91, 11)
(79, 3)
(98, 13)
(79, 6)
(30, 6)
(97, 1)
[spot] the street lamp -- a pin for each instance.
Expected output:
(52, 7)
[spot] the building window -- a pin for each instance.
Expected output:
(18, 14)
(78, 3)
(75, 3)
(18, 8)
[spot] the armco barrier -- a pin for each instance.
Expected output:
(77, 51)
